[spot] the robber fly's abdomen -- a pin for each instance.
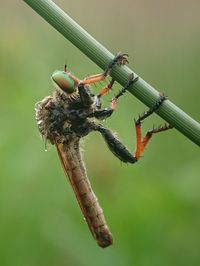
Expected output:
(93, 213)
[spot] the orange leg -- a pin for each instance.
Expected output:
(141, 143)
(93, 79)
(138, 141)
(119, 59)
(106, 89)
(117, 147)
(103, 92)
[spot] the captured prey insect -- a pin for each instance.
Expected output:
(70, 114)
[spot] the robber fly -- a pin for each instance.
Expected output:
(72, 113)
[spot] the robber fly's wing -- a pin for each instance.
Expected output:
(74, 169)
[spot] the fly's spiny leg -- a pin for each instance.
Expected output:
(115, 145)
(102, 113)
(106, 89)
(103, 92)
(152, 109)
(119, 59)
(149, 133)
(131, 80)
(141, 143)
(86, 97)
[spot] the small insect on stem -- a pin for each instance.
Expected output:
(68, 115)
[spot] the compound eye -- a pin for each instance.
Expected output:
(64, 81)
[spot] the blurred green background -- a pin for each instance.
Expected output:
(153, 207)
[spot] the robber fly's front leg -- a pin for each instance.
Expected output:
(87, 99)
(119, 59)
(104, 113)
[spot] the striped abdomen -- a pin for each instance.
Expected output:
(75, 171)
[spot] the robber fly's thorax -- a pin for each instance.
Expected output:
(62, 108)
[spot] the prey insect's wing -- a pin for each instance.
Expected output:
(74, 169)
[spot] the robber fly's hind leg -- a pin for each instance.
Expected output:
(115, 145)
(118, 148)
(141, 143)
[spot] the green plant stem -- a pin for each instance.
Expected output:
(101, 56)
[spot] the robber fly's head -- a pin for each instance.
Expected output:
(64, 80)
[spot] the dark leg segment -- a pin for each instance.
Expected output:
(86, 95)
(115, 145)
(151, 110)
(119, 59)
(102, 113)
(131, 80)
